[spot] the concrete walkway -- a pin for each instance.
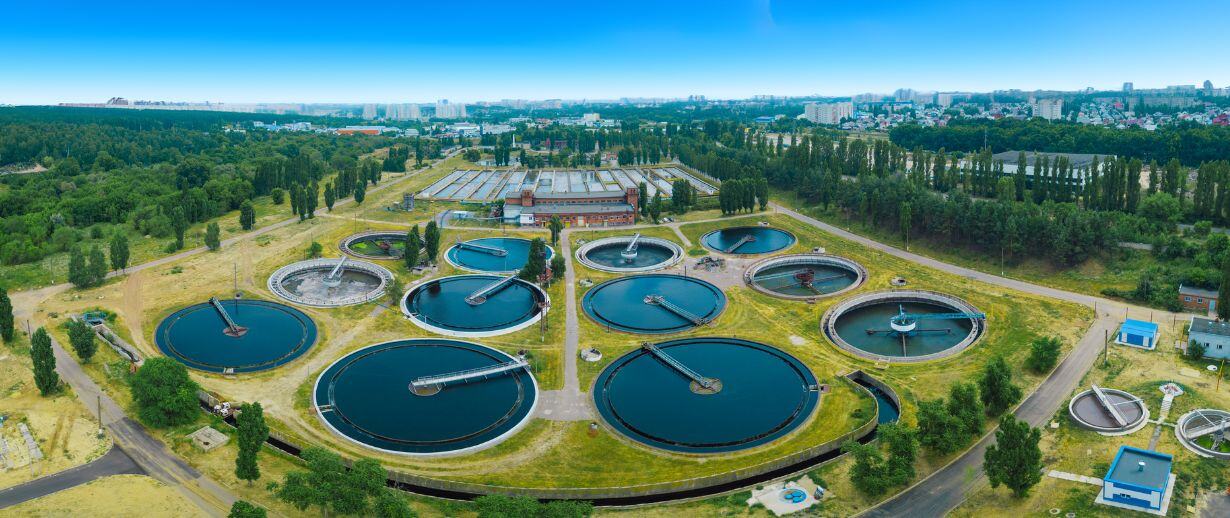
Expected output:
(568, 404)
(115, 462)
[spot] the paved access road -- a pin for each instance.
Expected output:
(115, 462)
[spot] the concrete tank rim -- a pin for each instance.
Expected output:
(345, 244)
(449, 260)
(676, 254)
(1144, 414)
(859, 271)
(274, 283)
(451, 333)
(461, 451)
(828, 324)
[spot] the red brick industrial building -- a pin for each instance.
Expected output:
(606, 208)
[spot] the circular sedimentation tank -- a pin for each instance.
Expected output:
(611, 254)
(265, 335)
(872, 326)
(805, 276)
(376, 244)
(756, 394)
(653, 303)
(320, 283)
(1206, 432)
(492, 254)
(396, 396)
(748, 240)
(1090, 411)
(475, 305)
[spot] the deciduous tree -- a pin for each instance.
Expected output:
(1015, 459)
(44, 363)
(164, 394)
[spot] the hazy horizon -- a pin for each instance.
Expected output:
(314, 53)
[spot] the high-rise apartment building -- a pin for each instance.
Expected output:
(1049, 109)
(828, 113)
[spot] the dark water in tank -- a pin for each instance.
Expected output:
(372, 403)
(276, 334)
(765, 394)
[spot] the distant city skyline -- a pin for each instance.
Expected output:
(310, 52)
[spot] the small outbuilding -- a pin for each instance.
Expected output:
(1212, 334)
(1139, 480)
(208, 438)
(1137, 333)
(1196, 299)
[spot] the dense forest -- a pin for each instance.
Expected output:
(1063, 214)
(1190, 143)
(154, 171)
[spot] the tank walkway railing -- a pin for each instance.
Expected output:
(1110, 407)
(658, 300)
(630, 251)
(441, 380)
(480, 296)
(335, 273)
(742, 241)
(498, 252)
(226, 317)
(782, 275)
(678, 366)
(904, 317)
(1209, 428)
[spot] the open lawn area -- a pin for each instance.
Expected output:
(1071, 449)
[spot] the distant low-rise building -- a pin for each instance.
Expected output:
(1212, 334)
(1196, 299)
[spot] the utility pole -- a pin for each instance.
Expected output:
(1106, 347)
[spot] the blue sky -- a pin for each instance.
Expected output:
(346, 51)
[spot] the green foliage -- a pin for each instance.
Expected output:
(874, 475)
(1043, 354)
(213, 237)
(82, 339)
(329, 485)
(536, 265)
(500, 506)
(278, 196)
(1015, 459)
(44, 363)
(1223, 291)
(472, 155)
(1195, 350)
(78, 272)
(330, 196)
(6, 316)
(252, 431)
(119, 251)
(97, 269)
(314, 250)
(995, 385)
(164, 394)
(965, 405)
(360, 192)
(655, 207)
(414, 243)
(431, 240)
(247, 215)
(555, 225)
(939, 430)
(243, 509)
(558, 265)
